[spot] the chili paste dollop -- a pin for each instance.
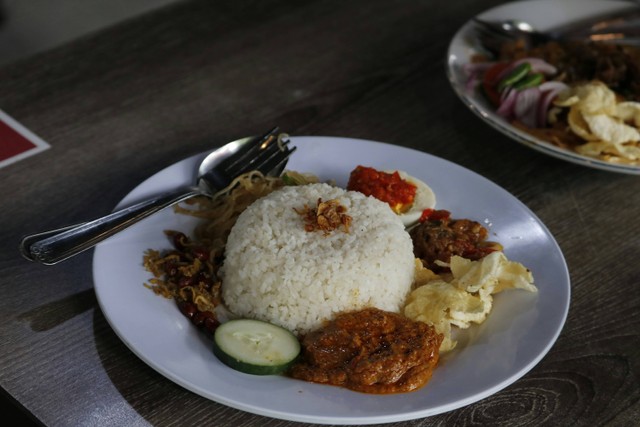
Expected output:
(388, 187)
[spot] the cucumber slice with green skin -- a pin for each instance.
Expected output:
(255, 347)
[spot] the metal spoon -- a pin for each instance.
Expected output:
(619, 27)
(267, 154)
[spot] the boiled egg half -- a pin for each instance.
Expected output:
(425, 198)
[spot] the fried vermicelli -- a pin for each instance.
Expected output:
(220, 214)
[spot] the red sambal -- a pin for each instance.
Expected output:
(388, 187)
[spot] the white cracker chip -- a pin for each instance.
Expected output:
(579, 125)
(495, 273)
(629, 112)
(611, 128)
(467, 297)
(592, 98)
(616, 151)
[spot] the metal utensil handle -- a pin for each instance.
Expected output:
(626, 17)
(54, 246)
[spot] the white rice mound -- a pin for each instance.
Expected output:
(277, 272)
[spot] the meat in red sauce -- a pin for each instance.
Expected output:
(371, 351)
(438, 237)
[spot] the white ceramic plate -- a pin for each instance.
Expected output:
(542, 14)
(518, 333)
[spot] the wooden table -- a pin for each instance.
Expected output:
(126, 102)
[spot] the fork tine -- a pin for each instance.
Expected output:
(250, 151)
(275, 164)
(256, 156)
(269, 157)
(269, 166)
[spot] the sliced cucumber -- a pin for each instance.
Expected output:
(255, 347)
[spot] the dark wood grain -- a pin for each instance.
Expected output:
(122, 104)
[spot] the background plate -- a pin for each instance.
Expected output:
(518, 333)
(542, 14)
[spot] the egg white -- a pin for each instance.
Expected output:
(425, 199)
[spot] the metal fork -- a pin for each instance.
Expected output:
(621, 27)
(267, 154)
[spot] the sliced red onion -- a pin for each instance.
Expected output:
(505, 93)
(548, 95)
(553, 85)
(538, 65)
(529, 106)
(526, 106)
(507, 104)
(543, 108)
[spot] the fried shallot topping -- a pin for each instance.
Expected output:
(326, 216)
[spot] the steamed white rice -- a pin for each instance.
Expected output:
(276, 271)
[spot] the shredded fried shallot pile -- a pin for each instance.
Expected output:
(326, 217)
